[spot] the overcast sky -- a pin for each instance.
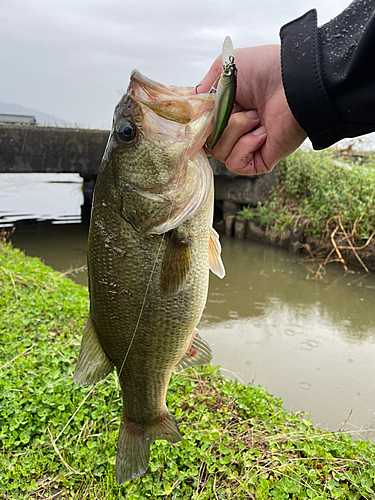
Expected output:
(72, 58)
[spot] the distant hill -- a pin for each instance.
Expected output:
(41, 118)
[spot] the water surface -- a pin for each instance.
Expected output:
(28, 197)
(310, 343)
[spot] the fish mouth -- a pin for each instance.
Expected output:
(172, 105)
(137, 79)
(165, 115)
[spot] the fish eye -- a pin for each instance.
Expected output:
(126, 132)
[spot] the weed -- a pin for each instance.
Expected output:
(59, 440)
(329, 196)
(247, 212)
(6, 233)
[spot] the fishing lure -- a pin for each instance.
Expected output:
(225, 93)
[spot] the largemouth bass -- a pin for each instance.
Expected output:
(151, 245)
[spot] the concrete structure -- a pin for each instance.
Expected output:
(25, 149)
(241, 189)
(51, 149)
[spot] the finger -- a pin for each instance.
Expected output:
(239, 124)
(245, 157)
(213, 73)
(236, 108)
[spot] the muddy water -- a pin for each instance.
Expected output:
(310, 343)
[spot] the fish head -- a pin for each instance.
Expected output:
(156, 131)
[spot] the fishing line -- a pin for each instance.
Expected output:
(147, 287)
(156, 258)
(153, 267)
(144, 300)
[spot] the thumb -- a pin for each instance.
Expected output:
(209, 80)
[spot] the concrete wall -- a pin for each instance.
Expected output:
(51, 149)
(25, 149)
(241, 189)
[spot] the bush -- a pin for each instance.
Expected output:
(319, 189)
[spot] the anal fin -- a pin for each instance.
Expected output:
(214, 255)
(199, 353)
(133, 445)
(93, 364)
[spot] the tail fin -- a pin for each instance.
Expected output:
(133, 445)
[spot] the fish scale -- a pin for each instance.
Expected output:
(151, 245)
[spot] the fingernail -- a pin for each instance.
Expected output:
(252, 114)
(259, 131)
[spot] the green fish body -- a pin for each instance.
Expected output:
(151, 245)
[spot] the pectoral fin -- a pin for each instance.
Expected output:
(199, 353)
(176, 262)
(93, 364)
(214, 255)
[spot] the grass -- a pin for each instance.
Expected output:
(59, 440)
(317, 190)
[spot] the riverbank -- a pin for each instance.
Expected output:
(322, 203)
(59, 439)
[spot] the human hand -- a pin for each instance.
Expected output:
(262, 130)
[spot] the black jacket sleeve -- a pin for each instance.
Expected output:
(329, 73)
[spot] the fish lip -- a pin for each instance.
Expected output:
(136, 77)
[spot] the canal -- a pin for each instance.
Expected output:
(311, 343)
